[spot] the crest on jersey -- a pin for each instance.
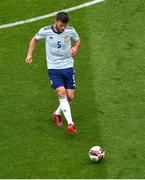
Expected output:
(66, 38)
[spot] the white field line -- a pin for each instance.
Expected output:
(50, 14)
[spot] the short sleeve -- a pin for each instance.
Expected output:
(41, 34)
(75, 35)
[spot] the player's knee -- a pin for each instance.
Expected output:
(61, 91)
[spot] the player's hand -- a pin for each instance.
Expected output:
(28, 60)
(74, 51)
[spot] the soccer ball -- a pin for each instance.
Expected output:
(96, 153)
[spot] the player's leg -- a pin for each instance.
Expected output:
(70, 90)
(56, 81)
(58, 110)
(70, 94)
(64, 104)
(69, 83)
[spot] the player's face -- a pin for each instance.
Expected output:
(60, 26)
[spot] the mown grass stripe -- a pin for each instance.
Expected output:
(49, 15)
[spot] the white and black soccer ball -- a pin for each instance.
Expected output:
(96, 153)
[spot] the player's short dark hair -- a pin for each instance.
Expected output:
(62, 16)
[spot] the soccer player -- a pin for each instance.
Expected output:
(59, 54)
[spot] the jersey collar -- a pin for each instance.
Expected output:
(55, 31)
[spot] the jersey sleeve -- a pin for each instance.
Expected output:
(75, 35)
(41, 34)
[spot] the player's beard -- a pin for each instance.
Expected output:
(58, 30)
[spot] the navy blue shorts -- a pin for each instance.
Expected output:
(62, 77)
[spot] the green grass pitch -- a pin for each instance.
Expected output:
(109, 108)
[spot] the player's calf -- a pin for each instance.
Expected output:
(70, 94)
(70, 98)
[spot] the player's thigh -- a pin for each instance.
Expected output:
(56, 78)
(70, 94)
(69, 77)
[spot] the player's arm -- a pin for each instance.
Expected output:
(40, 35)
(74, 50)
(31, 48)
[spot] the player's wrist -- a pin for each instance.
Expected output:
(29, 56)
